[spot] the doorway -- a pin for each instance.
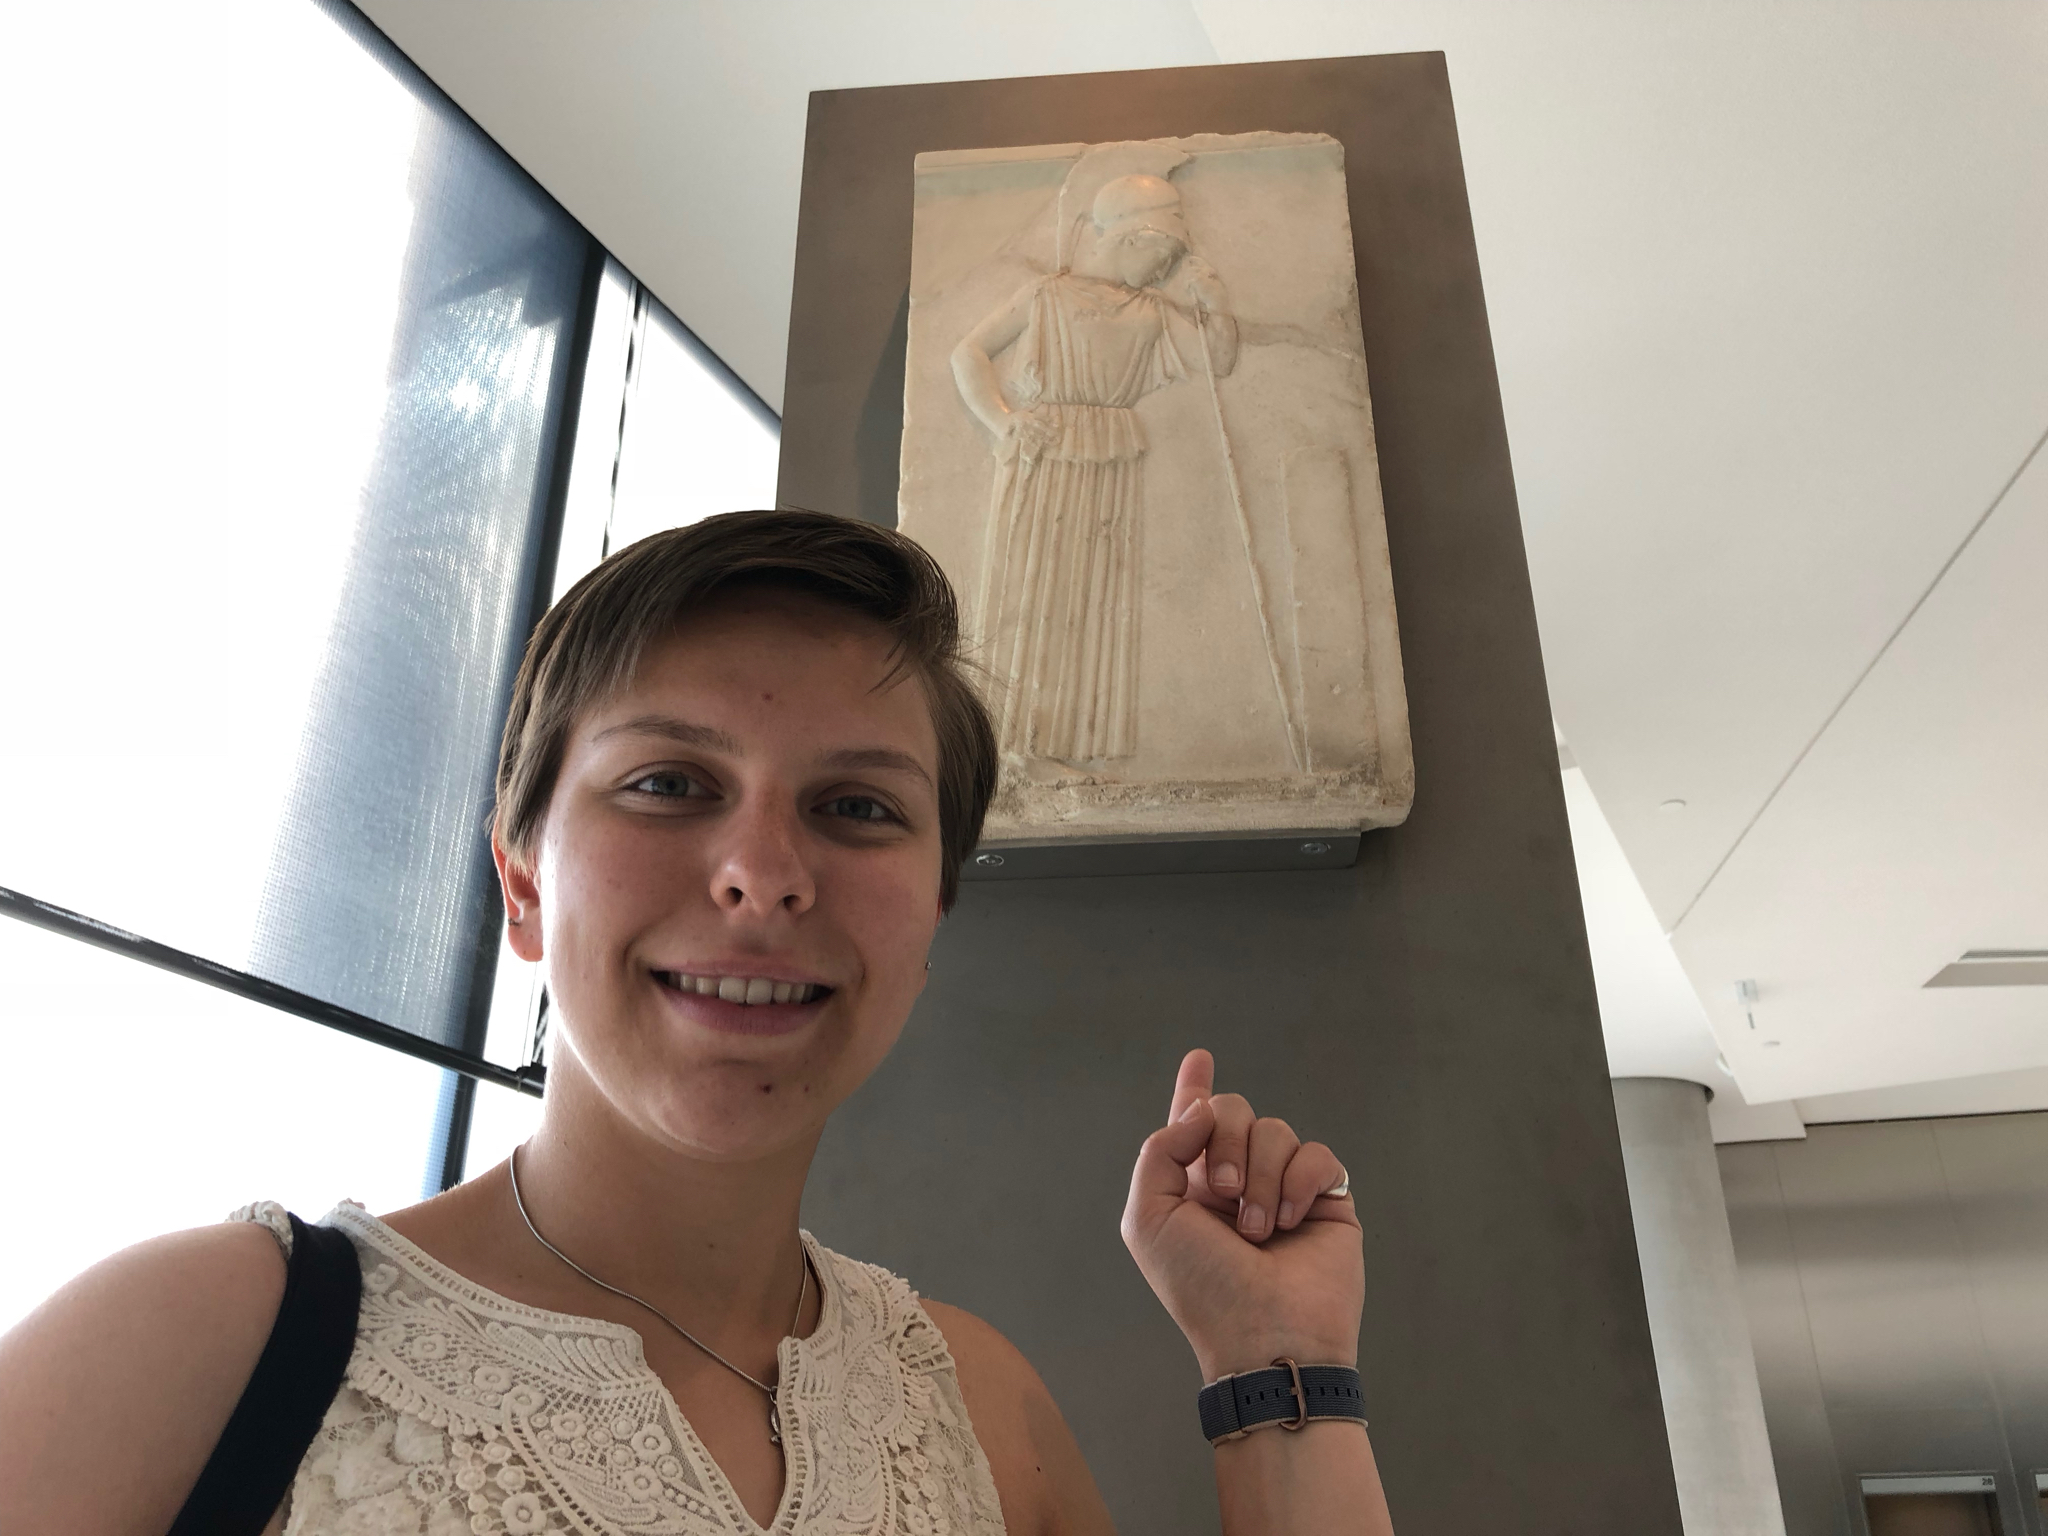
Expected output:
(1963, 1504)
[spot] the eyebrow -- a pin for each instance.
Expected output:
(710, 738)
(685, 732)
(878, 757)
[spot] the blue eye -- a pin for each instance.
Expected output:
(858, 808)
(667, 785)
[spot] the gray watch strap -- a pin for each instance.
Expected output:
(1284, 1393)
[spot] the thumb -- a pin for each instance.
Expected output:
(1159, 1182)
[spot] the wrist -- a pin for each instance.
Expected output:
(1234, 1357)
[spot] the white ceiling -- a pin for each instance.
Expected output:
(1766, 280)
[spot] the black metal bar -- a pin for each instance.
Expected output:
(449, 1155)
(42, 914)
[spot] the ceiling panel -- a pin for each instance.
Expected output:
(1912, 832)
(1766, 289)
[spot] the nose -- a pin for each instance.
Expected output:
(760, 869)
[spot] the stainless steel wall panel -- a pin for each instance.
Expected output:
(1896, 1279)
(1996, 1171)
(1880, 1261)
(1795, 1407)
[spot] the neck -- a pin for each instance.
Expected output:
(694, 1236)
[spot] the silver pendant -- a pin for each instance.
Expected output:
(774, 1424)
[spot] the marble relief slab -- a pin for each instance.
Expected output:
(1138, 436)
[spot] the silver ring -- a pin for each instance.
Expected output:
(1341, 1188)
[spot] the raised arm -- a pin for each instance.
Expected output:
(114, 1391)
(1229, 1221)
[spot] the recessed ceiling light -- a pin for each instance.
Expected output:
(1671, 807)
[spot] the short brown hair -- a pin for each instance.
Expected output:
(589, 645)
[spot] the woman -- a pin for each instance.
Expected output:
(1059, 600)
(740, 773)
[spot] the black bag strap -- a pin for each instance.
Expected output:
(300, 1371)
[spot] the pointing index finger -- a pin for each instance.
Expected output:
(1197, 1080)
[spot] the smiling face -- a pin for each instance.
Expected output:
(737, 880)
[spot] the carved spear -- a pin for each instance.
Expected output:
(1251, 559)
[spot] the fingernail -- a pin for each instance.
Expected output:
(1224, 1176)
(1191, 1111)
(1286, 1212)
(1252, 1219)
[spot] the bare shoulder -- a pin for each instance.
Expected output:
(113, 1392)
(1039, 1472)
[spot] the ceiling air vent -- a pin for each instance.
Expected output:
(1995, 968)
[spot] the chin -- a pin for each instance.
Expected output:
(725, 1096)
(736, 1115)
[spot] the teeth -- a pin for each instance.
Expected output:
(749, 990)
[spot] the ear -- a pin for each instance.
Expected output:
(522, 902)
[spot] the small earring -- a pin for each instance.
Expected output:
(927, 965)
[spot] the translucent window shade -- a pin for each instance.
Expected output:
(280, 425)
(136, 1102)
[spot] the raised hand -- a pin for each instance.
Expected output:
(1204, 287)
(1232, 1224)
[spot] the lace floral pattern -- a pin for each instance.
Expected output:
(465, 1414)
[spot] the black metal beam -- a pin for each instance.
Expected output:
(75, 925)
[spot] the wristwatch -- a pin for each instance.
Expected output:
(1284, 1393)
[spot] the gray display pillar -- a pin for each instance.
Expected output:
(1430, 1011)
(1720, 1452)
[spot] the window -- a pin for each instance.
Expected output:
(139, 1102)
(313, 386)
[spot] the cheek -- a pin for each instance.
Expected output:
(890, 916)
(599, 888)
(612, 870)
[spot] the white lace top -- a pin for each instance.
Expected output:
(463, 1412)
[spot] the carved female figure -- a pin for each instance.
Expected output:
(1060, 588)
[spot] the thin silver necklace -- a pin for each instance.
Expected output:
(802, 1290)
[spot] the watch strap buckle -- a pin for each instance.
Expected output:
(1300, 1397)
(1285, 1393)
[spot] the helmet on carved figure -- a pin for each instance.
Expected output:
(1131, 204)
